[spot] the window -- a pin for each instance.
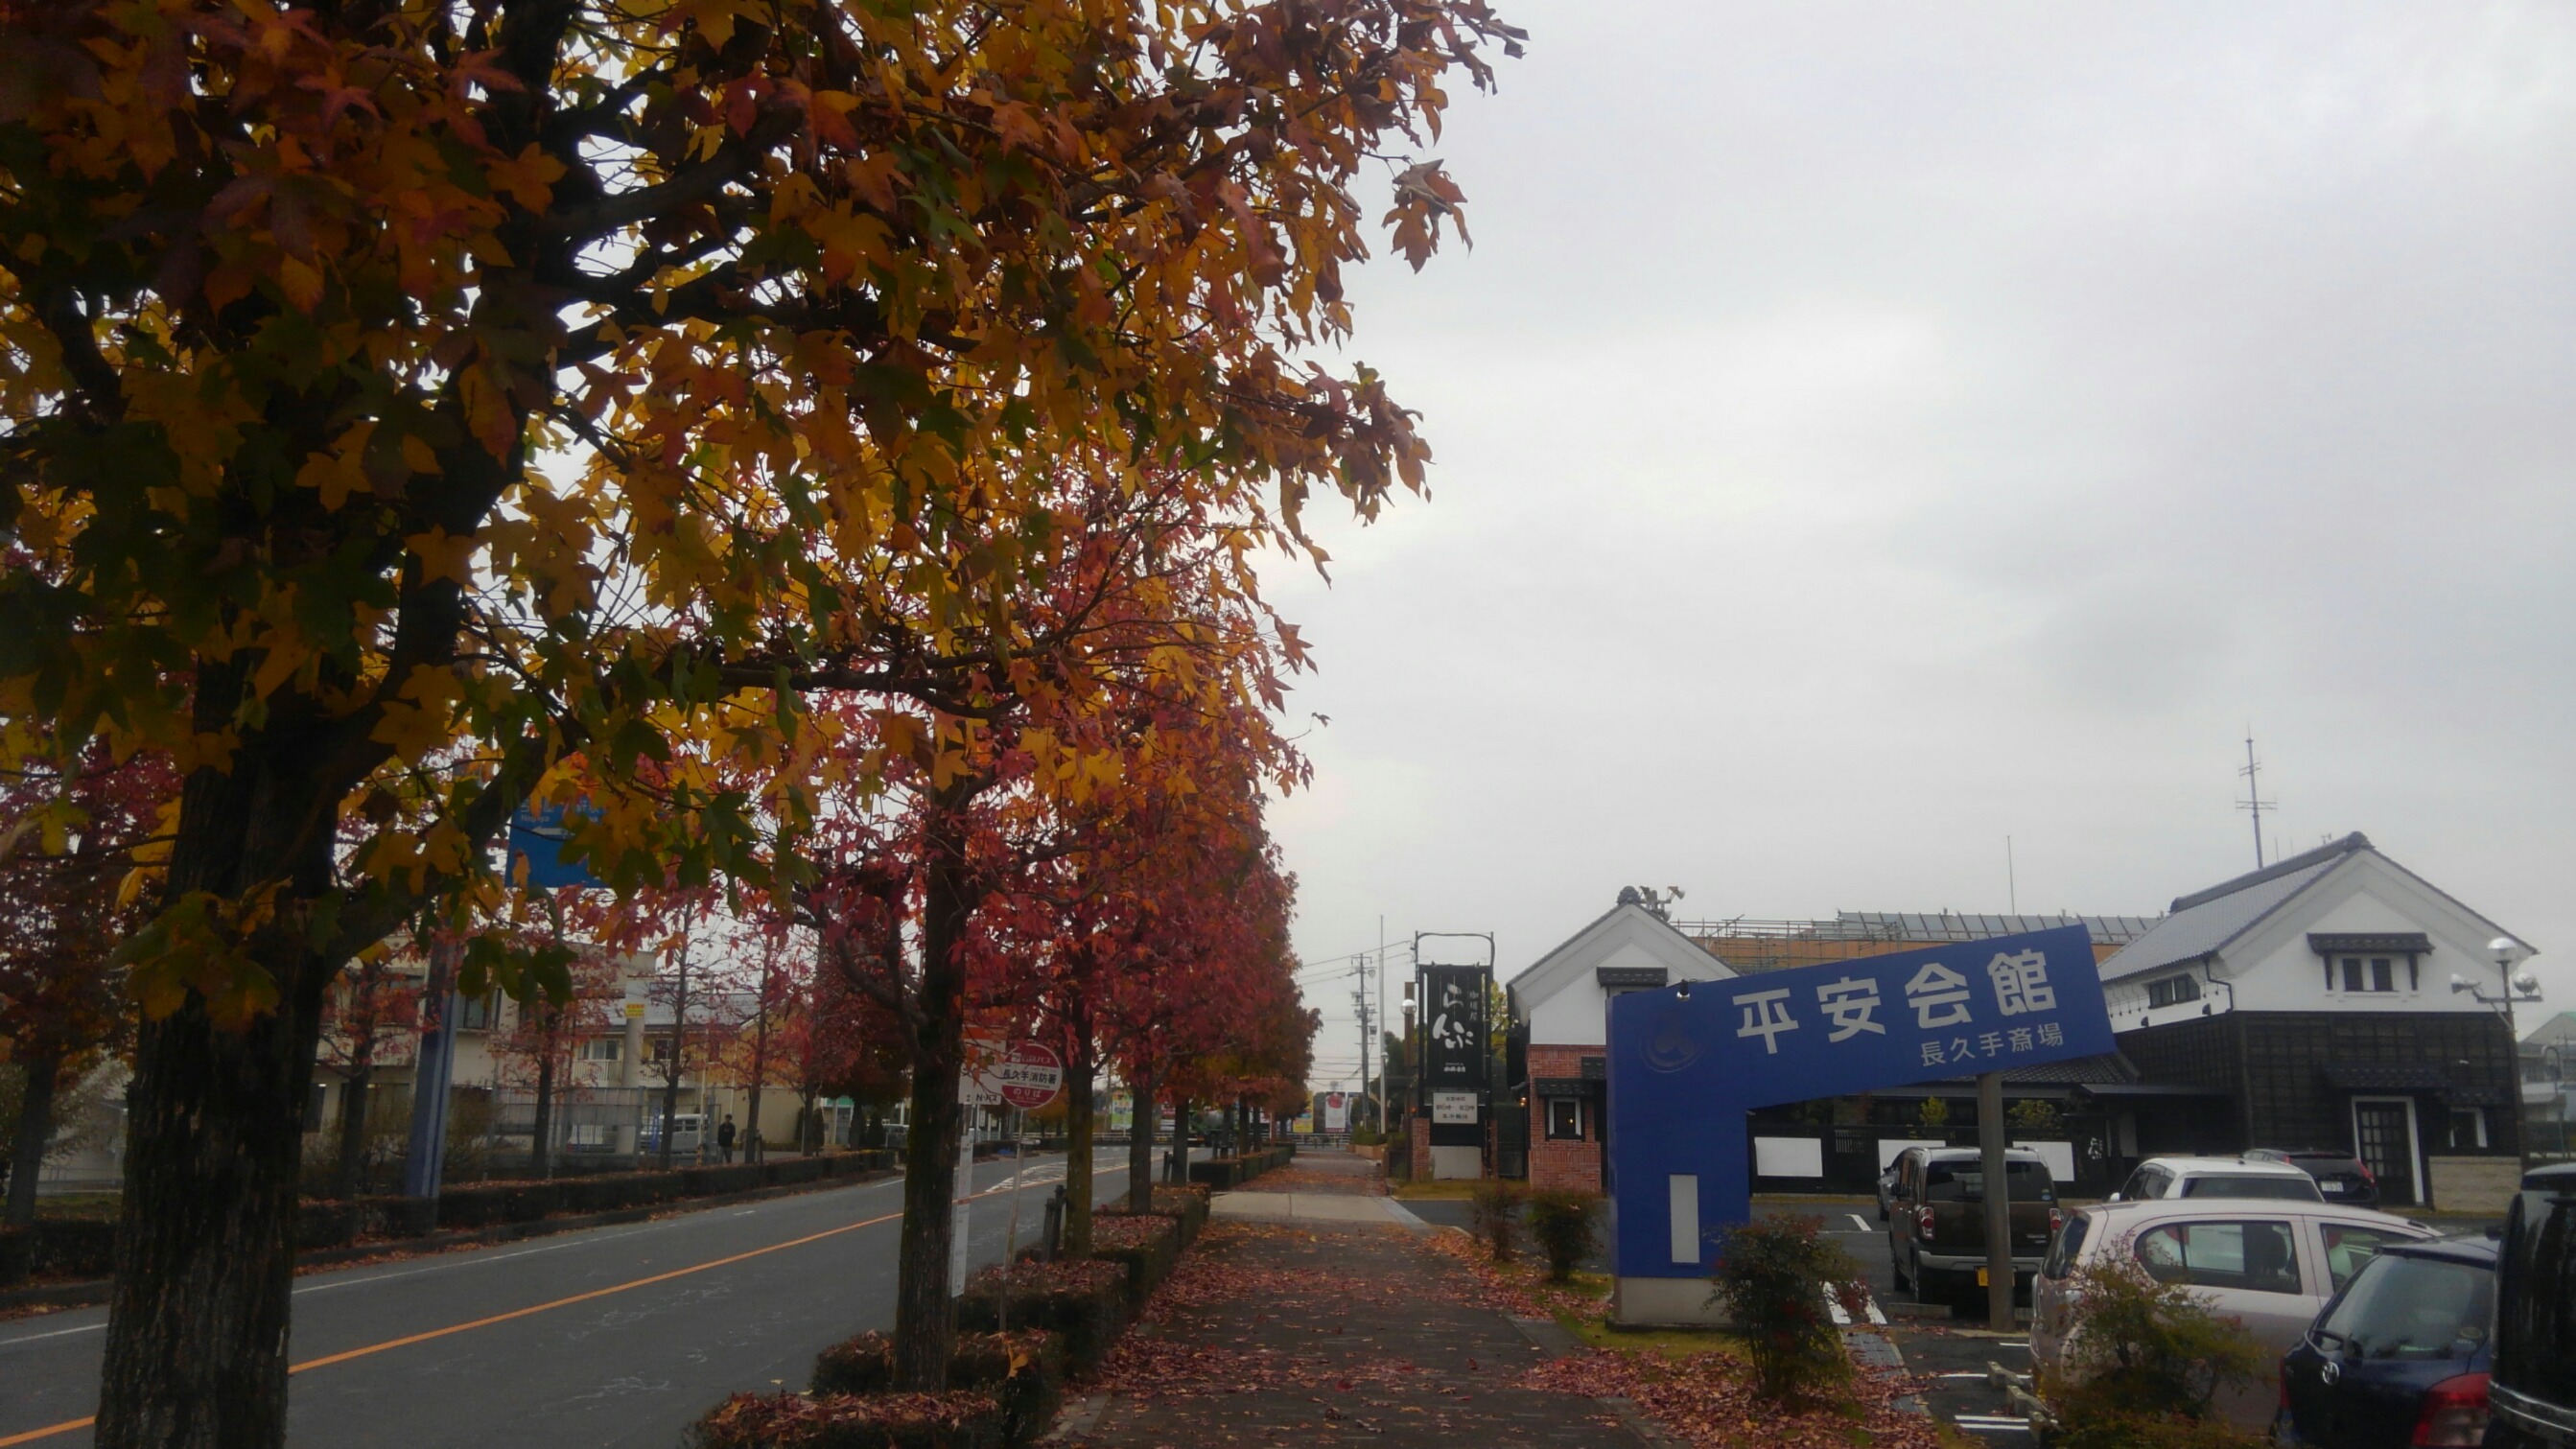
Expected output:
(2253, 1257)
(2301, 1188)
(602, 1049)
(592, 1134)
(1966, 1182)
(2145, 1184)
(2374, 974)
(476, 1013)
(1565, 1119)
(2414, 1310)
(2349, 1249)
(2173, 991)
(2468, 1128)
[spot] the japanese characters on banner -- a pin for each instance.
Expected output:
(1939, 997)
(1453, 1109)
(1453, 1026)
(1687, 1062)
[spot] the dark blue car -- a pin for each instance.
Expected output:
(2400, 1357)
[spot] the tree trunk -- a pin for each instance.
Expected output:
(1077, 1147)
(759, 1076)
(806, 1136)
(195, 1353)
(353, 1127)
(925, 1317)
(35, 1133)
(1140, 1145)
(540, 1159)
(1176, 1162)
(671, 1068)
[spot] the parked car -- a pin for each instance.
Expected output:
(2168, 1177)
(2399, 1358)
(2340, 1176)
(1936, 1228)
(2533, 1390)
(1886, 1187)
(2271, 1264)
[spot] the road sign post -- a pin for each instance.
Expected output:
(1026, 1075)
(1688, 1061)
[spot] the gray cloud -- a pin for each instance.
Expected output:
(1869, 430)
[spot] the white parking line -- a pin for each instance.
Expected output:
(1857, 1224)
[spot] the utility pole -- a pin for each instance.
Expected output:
(679, 1044)
(1360, 1006)
(2254, 801)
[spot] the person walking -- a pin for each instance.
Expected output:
(724, 1140)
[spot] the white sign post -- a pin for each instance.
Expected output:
(971, 1094)
(1027, 1075)
(1454, 1108)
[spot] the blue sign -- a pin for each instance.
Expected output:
(537, 837)
(1688, 1061)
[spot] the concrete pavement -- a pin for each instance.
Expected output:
(613, 1337)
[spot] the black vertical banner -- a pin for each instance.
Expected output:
(1453, 1027)
(1454, 1035)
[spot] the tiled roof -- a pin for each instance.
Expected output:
(2205, 921)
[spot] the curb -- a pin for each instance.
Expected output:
(91, 1292)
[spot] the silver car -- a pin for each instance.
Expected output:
(2270, 1264)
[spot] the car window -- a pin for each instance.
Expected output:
(2536, 1333)
(2412, 1308)
(2231, 1184)
(2255, 1256)
(2349, 1248)
(2069, 1247)
(1966, 1182)
(2146, 1182)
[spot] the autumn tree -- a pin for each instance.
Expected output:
(69, 842)
(375, 1004)
(294, 300)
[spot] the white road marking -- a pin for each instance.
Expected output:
(1857, 1224)
(57, 1333)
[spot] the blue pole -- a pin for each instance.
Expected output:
(425, 1160)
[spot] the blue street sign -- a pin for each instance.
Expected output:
(537, 837)
(1688, 1061)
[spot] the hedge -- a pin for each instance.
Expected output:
(1150, 1246)
(958, 1419)
(86, 1249)
(71, 1248)
(1228, 1172)
(1024, 1371)
(1187, 1207)
(1083, 1303)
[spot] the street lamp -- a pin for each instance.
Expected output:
(2506, 952)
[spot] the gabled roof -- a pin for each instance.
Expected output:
(1624, 924)
(2206, 922)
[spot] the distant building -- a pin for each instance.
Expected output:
(2310, 1002)
(2549, 1086)
(1559, 1037)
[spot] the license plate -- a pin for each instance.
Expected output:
(2331, 1186)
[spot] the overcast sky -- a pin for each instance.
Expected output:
(1869, 431)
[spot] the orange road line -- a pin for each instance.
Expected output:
(49, 1431)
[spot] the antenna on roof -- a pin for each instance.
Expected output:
(2254, 801)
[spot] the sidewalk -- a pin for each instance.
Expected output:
(1312, 1317)
(1274, 1334)
(1319, 1188)
(1316, 1320)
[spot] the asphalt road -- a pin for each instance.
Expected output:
(613, 1337)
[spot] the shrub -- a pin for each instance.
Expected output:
(1084, 1303)
(1495, 1207)
(2143, 1362)
(1773, 1275)
(1564, 1222)
(953, 1420)
(1024, 1372)
(1149, 1246)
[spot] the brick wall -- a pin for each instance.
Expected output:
(1420, 1143)
(1564, 1163)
